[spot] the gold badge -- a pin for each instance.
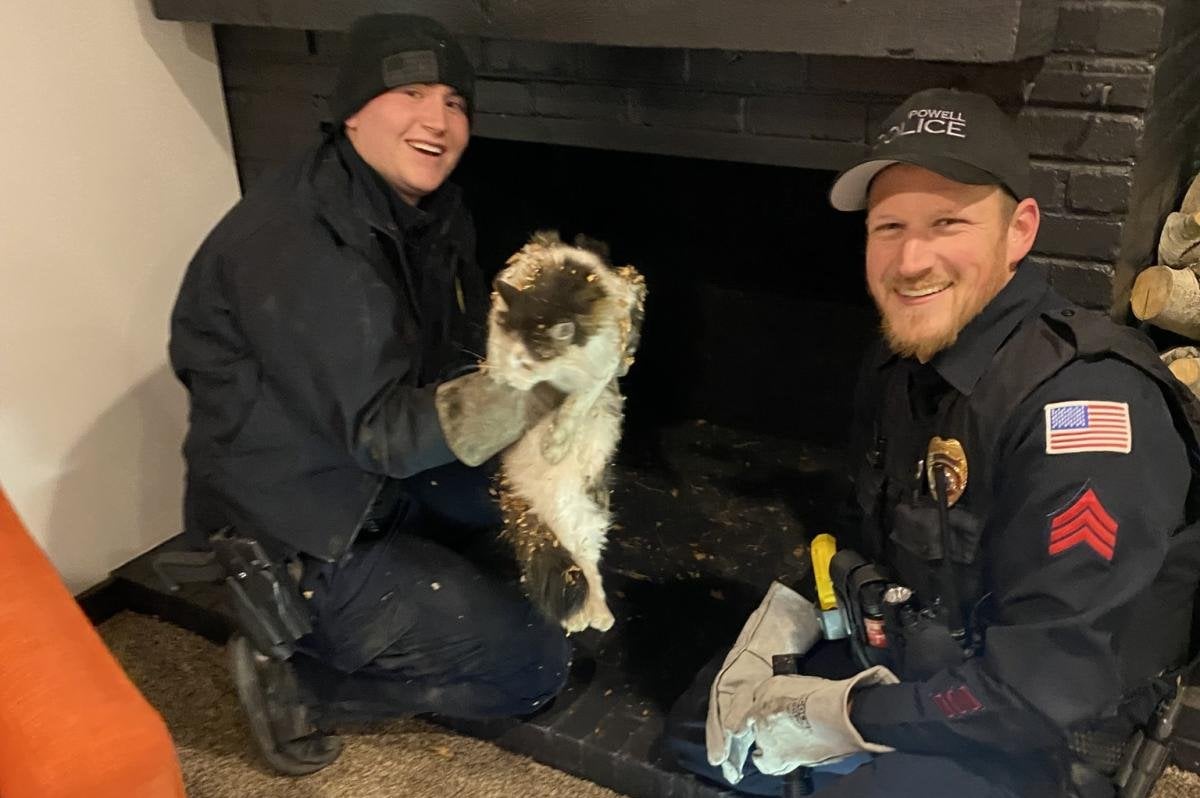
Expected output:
(947, 454)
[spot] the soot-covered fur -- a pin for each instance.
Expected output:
(563, 317)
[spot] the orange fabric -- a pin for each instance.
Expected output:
(71, 723)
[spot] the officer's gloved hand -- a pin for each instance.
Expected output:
(784, 623)
(804, 721)
(480, 416)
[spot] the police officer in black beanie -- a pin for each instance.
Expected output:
(312, 331)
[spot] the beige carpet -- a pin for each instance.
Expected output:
(184, 677)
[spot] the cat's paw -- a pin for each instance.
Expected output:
(577, 622)
(602, 620)
(594, 615)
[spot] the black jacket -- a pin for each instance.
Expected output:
(1075, 567)
(311, 330)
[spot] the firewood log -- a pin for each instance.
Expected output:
(1187, 371)
(1179, 244)
(1178, 353)
(1168, 298)
(1184, 363)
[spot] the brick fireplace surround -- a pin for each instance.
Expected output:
(1107, 91)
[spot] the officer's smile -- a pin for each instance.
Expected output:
(923, 294)
(426, 147)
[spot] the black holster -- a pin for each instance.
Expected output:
(918, 642)
(853, 577)
(264, 598)
(1148, 753)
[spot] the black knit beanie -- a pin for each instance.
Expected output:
(389, 50)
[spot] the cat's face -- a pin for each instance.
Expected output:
(547, 322)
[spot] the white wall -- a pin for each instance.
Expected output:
(115, 160)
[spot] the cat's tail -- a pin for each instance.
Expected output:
(552, 579)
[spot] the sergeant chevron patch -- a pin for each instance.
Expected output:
(1085, 522)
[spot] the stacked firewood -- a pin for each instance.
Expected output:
(1167, 295)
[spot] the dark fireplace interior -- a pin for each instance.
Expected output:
(739, 401)
(757, 312)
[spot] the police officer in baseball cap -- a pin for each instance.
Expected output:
(1022, 475)
(312, 330)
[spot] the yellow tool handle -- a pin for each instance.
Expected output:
(822, 549)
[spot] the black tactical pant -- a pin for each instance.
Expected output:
(895, 775)
(406, 623)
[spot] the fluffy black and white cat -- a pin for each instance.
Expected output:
(563, 317)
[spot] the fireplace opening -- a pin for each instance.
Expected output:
(757, 311)
(739, 402)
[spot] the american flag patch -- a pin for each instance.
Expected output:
(1084, 426)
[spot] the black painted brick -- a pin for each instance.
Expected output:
(628, 65)
(271, 76)
(808, 117)
(687, 109)
(1107, 27)
(586, 712)
(1187, 725)
(1085, 237)
(503, 97)
(1186, 754)
(1049, 185)
(330, 43)
(900, 78)
(1181, 21)
(242, 39)
(1104, 137)
(1095, 83)
(1086, 282)
(580, 102)
(285, 142)
(1102, 189)
(541, 59)
(523, 738)
(278, 109)
(598, 762)
(746, 72)
(634, 778)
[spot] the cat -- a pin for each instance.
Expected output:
(563, 317)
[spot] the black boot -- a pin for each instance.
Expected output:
(279, 721)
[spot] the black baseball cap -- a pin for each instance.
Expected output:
(390, 50)
(958, 134)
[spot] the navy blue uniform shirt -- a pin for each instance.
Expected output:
(1064, 592)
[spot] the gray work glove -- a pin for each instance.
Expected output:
(804, 721)
(784, 623)
(480, 417)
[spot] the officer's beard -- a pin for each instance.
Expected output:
(910, 332)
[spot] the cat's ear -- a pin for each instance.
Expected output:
(508, 292)
(594, 246)
(545, 238)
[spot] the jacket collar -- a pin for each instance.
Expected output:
(355, 200)
(963, 363)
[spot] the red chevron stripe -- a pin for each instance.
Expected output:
(1083, 536)
(1084, 522)
(1065, 521)
(1087, 502)
(1087, 523)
